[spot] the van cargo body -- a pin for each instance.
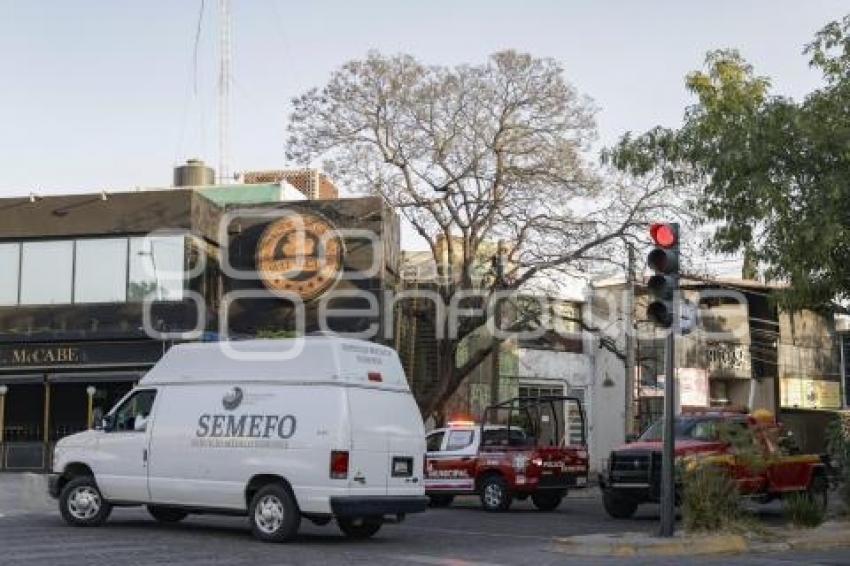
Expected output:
(240, 427)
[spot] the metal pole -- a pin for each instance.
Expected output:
(668, 487)
(3, 390)
(628, 320)
(90, 391)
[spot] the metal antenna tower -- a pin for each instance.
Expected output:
(224, 80)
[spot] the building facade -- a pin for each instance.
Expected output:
(94, 288)
(742, 351)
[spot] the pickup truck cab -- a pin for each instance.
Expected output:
(633, 473)
(320, 428)
(524, 455)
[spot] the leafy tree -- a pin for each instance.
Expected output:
(772, 172)
(470, 156)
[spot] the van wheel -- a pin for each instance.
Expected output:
(548, 500)
(618, 506)
(166, 514)
(440, 500)
(359, 527)
(274, 515)
(494, 494)
(82, 505)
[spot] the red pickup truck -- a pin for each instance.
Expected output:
(519, 451)
(633, 473)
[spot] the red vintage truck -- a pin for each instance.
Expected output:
(632, 475)
(520, 450)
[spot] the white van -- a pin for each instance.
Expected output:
(317, 427)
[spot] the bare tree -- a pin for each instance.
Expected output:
(472, 155)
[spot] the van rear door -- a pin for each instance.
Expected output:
(370, 426)
(406, 445)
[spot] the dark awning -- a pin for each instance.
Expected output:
(25, 378)
(95, 377)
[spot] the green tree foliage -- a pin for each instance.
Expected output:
(772, 172)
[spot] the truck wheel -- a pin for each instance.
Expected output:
(818, 491)
(547, 500)
(440, 500)
(618, 506)
(166, 514)
(274, 515)
(82, 505)
(360, 527)
(494, 494)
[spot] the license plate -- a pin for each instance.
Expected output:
(402, 467)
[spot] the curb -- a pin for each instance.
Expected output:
(623, 545)
(640, 544)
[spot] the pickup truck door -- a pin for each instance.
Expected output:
(121, 468)
(452, 468)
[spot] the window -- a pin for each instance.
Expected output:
(133, 414)
(47, 272)
(156, 268)
(10, 257)
(460, 439)
(434, 442)
(100, 274)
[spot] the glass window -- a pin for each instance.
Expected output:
(434, 442)
(460, 439)
(156, 268)
(9, 266)
(100, 274)
(133, 414)
(47, 272)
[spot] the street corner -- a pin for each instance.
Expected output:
(642, 544)
(832, 534)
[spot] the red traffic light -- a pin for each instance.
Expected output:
(664, 235)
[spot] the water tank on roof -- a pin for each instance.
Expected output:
(194, 173)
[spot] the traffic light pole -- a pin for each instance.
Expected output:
(668, 456)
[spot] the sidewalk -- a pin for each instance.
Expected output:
(832, 534)
(24, 493)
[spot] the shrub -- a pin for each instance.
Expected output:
(838, 448)
(803, 511)
(710, 500)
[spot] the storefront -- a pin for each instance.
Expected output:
(95, 288)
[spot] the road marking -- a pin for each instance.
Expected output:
(438, 561)
(463, 532)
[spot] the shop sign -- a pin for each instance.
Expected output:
(16, 356)
(301, 254)
(808, 393)
(728, 360)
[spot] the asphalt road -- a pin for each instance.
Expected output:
(460, 536)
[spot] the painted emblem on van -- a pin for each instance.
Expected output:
(301, 254)
(232, 398)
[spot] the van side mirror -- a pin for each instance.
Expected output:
(107, 423)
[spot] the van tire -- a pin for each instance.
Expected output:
(547, 500)
(166, 514)
(274, 515)
(81, 503)
(438, 501)
(495, 495)
(359, 527)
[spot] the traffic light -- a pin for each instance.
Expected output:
(664, 261)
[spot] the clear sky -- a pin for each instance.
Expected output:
(100, 94)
